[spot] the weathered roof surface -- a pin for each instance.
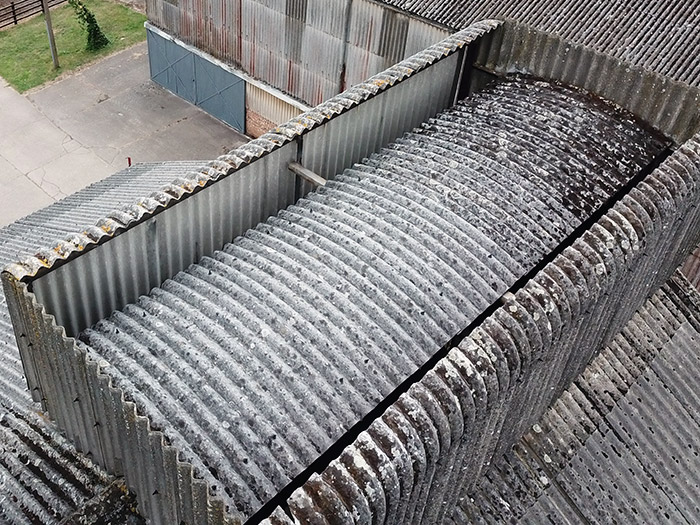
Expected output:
(131, 213)
(85, 208)
(659, 34)
(43, 479)
(620, 445)
(691, 268)
(237, 359)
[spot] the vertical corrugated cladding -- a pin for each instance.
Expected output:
(670, 106)
(691, 268)
(352, 136)
(319, 65)
(310, 49)
(421, 35)
(267, 106)
(659, 35)
(364, 37)
(174, 240)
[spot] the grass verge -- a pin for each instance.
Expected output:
(25, 58)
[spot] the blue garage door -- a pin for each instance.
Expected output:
(199, 81)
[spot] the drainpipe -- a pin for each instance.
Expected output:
(346, 36)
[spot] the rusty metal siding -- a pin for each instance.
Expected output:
(309, 49)
(313, 49)
(421, 35)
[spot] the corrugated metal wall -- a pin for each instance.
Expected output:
(268, 106)
(326, 139)
(354, 135)
(194, 227)
(310, 49)
(667, 105)
(313, 49)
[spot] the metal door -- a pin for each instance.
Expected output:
(191, 76)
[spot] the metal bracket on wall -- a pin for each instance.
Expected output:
(307, 174)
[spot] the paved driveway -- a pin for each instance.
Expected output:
(57, 139)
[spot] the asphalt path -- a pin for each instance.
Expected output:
(59, 138)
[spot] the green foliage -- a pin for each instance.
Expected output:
(96, 39)
(25, 58)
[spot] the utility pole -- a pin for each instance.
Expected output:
(49, 31)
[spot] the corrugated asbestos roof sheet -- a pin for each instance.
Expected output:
(43, 479)
(691, 268)
(660, 35)
(227, 164)
(621, 444)
(236, 359)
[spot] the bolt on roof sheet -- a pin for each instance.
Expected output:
(255, 360)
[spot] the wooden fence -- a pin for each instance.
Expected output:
(17, 11)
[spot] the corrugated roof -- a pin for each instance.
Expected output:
(691, 268)
(620, 445)
(226, 165)
(43, 478)
(660, 35)
(515, 212)
(255, 360)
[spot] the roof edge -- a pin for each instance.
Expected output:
(122, 219)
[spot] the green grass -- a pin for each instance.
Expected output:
(25, 58)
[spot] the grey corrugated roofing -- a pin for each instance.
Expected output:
(660, 35)
(85, 208)
(234, 161)
(620, 445)
(255, 360)
(43, 478)
(433, 442)
(691, 268)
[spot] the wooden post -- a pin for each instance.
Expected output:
(14, 13)
(49, 31)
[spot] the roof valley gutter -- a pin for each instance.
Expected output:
(334, 451)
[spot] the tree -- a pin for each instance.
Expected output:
(96, 39)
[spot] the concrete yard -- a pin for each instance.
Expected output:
(61, 137)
